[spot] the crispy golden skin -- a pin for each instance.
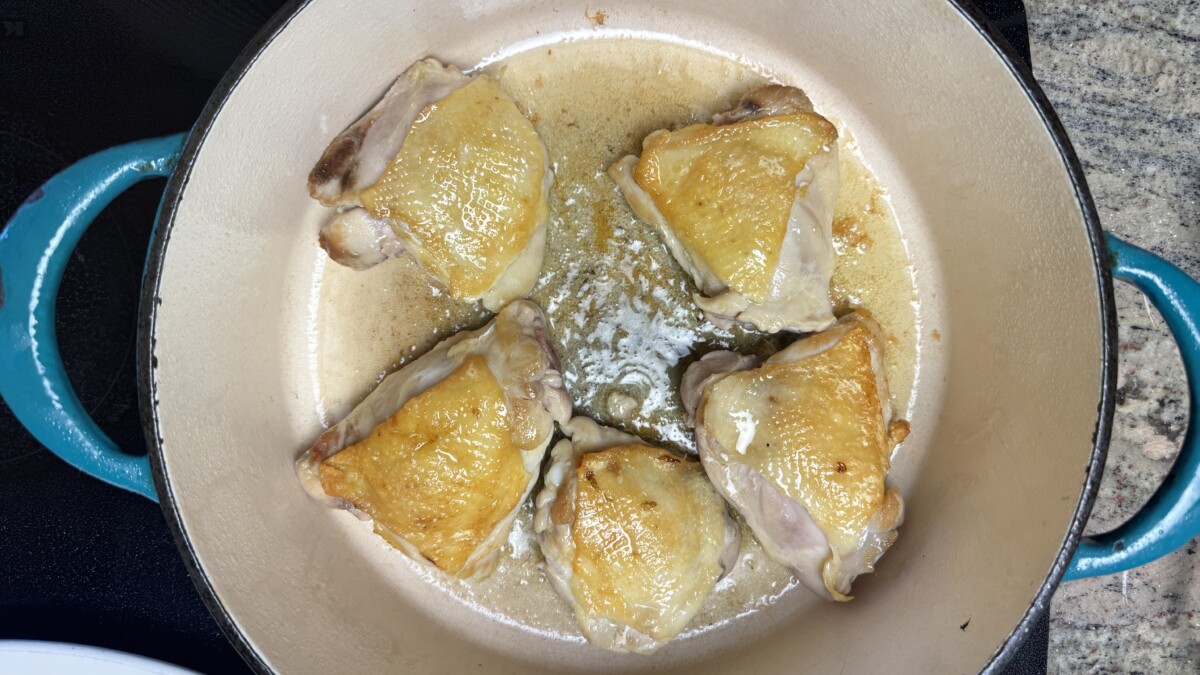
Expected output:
(468, 186)
(814, 427)
(648, 532)
(727, 191)
(441, 472)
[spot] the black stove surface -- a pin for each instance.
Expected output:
(81, 561)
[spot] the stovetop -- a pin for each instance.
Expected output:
(81, 561)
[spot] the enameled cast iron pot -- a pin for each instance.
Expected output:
(1013, 407)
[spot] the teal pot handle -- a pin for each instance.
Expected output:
(34, 249)
(1172, 516)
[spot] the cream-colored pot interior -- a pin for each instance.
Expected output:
(1005, 410)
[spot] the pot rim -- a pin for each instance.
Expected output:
(1108, 333)
(278, 23)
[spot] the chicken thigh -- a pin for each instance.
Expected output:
(745, 206)
(634, 536)
(800, 445)
(445, 167)
(443, 452)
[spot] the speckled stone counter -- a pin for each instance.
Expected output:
(1124, 76)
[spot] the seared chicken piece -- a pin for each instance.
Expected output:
(634, 536)
(444, 451)
(446, 167)
(800, 445)
(745, 205)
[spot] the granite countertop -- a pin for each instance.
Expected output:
(1124, 77)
